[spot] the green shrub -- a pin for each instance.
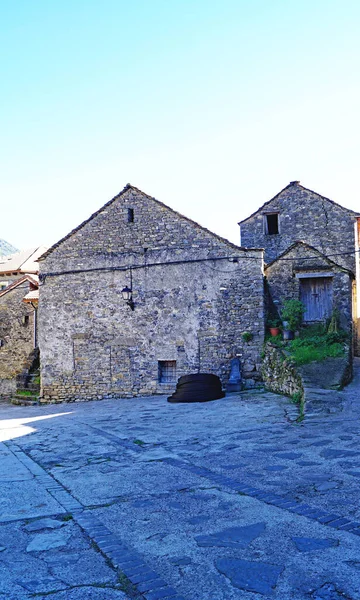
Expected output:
(292, 312)
(336, 336)
(313, 344)
(297, 397)
(247, 336)
(334, 321)
(273, 321)
(314, 349)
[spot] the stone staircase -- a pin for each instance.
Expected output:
(28, 395)
(28, 383)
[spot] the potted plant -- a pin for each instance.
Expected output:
(292, 313)
(274, 325)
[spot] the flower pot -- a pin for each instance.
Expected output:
(288, 335)
(274, 331)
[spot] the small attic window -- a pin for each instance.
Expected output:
(130, 215)
(271, 223)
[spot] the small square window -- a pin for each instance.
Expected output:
(167, 371)
(272, 224)
(130, 215)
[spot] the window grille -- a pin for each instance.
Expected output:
(167, 371)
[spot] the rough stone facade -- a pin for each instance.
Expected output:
(195, 294)
(16, 335)
(298, 214)
(284, 276)
(302, 215)
(280, 375)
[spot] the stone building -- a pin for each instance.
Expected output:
(190, 296)
(18, 314)
(15, 266)
(304, 273)
(299, 222)
(17, 330)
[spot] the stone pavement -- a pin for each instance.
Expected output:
(141, 499)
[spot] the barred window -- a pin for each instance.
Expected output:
(167, 371)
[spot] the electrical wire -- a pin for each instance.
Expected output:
(233, 259)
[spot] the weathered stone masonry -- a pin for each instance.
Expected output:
(303, 215)
(16, 335)
(297, 223)
(284, 282)
(195, 294)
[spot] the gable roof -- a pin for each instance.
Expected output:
(24, 261)
(137, 190)
(32, 297)
(297, 184)
(15, 284)
(314, 250)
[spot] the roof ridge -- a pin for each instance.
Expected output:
(16, 283)
(127, 187)
(292, 184)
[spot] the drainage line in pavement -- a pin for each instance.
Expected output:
(338, 522)
(291, 504)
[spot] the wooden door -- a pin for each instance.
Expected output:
(316, 295)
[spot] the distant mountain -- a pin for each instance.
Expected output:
(6, 248)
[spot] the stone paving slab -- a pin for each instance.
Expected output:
(90, 485)
(236, 527)
(19, 500)
(34, 562)
(142, 500)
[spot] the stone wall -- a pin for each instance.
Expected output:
(303, 215)
(283, 283)
(157, 233)
(16, 335)
(194, 294)
(279, 374)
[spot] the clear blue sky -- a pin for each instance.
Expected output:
(210, 106)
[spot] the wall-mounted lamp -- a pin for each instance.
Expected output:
(127, 293)
(127, 296)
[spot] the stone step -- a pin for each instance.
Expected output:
(22, 402)
(27, 400)
(34, 374)
(32, 387)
